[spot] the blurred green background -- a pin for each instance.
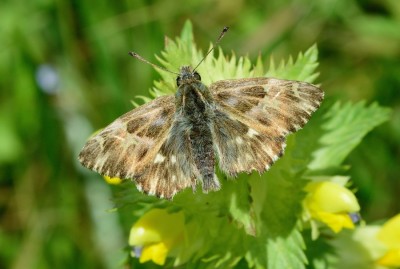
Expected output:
(65, 72)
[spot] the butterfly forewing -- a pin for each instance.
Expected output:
(124, 148)
(256, 114)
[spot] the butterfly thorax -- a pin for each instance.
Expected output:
(193, 98)
(195, 109)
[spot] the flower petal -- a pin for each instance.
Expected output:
(112, 180)
(390, 233)
(155, 226)
(390, 259)
(331, 197)
(156, 252)
(336, 221)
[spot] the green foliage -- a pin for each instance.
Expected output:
(345, 126)
(303, 69)
(256, 217)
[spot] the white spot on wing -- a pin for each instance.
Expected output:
(173, 159)
(296, 126)
(239, 140)
(119, 138)
(252, 132)
(307, 108)
(282, 130)
(152, 192)
(159, 158)
(153, 186)
(276, 96)
(232, 101)
(268, 150)
(295, 89)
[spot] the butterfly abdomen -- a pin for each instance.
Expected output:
(203, 154)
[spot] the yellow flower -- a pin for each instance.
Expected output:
(112, 180)
(331, 204)
(156, 234)
(370, 246)
(389, 235)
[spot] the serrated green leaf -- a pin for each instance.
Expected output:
(240, 206)
(303, 69)
(187, 32)
(321, 254)
(258, 69)
(277, 197)
(287, 252)
(279, 252)
(345, 126)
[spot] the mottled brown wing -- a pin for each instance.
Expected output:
(254, 116)
(127, 145)
(139, 146)
(173, 167)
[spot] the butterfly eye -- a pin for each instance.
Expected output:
(178, 81)
(197, 76)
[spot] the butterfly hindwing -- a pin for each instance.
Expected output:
(241, 148)
(173, 167)
(258, 113)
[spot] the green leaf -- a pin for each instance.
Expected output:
(345, 126)
(303, 69)
(321, 254)
(277, 197)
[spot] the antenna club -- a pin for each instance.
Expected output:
(137, 56)
(221, 35)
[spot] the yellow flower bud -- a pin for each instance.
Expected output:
(330, 203)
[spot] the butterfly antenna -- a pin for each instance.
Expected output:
(137, 56)
(221, 35)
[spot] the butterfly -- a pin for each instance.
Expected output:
(174, 141)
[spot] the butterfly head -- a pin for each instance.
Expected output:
(186, 75)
